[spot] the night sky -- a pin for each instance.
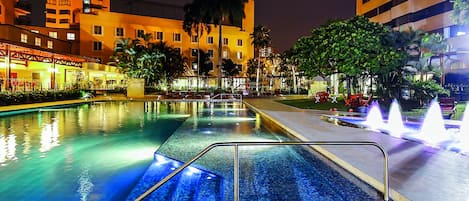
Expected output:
(289, 20)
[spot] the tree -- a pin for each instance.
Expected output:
(206, 64)
(260, 39)
(232, 70)
(137, 59)
(460, 11)
(173, 63)
(353, 47)
(216, 12)
(195, 22)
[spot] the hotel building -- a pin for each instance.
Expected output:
(434, 16)
(87, 32)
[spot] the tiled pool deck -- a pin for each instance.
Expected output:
(416, 172)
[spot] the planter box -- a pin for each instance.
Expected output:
(136, 88)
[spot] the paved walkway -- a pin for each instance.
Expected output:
(417, 172)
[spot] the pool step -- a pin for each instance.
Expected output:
(191, 184)
(294, 176)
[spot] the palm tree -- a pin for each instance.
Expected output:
(216, 12)
(260, 39)
(231, 70)
(193, 21)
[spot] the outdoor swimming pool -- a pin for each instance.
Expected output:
(101, 151)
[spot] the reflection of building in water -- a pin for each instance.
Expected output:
(7, 148)
(49, 136)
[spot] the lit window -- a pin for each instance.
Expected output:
(24, 38)
(119, 31)
(35, 31)
(159, 35)
(225, 41)
(177, 37)
(194, 52)
(97, 30)
(210, 40)
(37, 41)
(239, 55)
(194, 39)
(225, 54)
(194, 66)
(210, 53)
(97, 45)
(50, 44)
(53, 34)
(140, 33)
(70, 36)
(240, 42)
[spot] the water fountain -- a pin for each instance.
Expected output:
(433, 130)
(395, 125)
(374, 119)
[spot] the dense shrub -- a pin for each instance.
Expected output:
(15, 98)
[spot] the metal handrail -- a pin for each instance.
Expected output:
(227, 94)
(236, 162)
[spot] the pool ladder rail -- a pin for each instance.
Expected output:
(236, 146)
(224, 97)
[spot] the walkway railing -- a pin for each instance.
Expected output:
(224, 96)
(236, 146)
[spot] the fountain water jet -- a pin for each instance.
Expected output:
(374, 119)
(395, 125)
(433, 127)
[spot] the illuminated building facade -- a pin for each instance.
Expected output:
(88, 28)
(434, 16)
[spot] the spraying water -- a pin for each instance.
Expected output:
(374, 120)
(433, 128)
(395, 124)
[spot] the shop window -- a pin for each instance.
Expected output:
(24, 38)
(35, 31)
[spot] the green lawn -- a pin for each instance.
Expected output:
(340, 106)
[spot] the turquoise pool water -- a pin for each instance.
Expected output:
(85, 152)
(103, 151)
